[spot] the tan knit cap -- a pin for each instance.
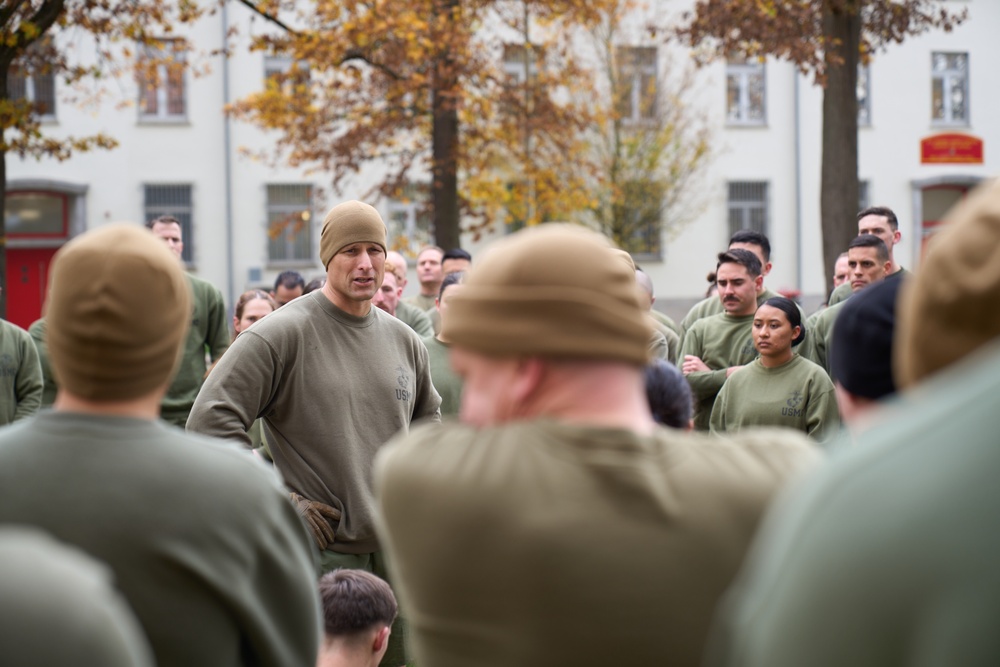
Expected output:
(554, 290)
(119, 307)
(347, 223)
(949, 308)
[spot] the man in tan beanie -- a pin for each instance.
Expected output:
(559, 525)
(201, 538)
(889, 555)
(331, 378)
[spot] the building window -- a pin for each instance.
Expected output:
(285, 72)
(172, 200)
(745, 96)
(409, 220)
(950, 88)
(162, 94)
(748, 206)
(864, 97)
(635, 97)
(864, 198)
(39, 88)
(289, 224)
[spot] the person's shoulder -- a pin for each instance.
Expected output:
(395, 327)
(764, 452)
(15, 333)
(202, 287)
(37, 329)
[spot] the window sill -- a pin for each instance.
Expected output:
(950, 124)
(167, 120)
(746, 124)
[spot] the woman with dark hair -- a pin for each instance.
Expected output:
(779, 388)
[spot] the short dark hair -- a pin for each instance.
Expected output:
(871, 241)
(163, 220)
(744, 258)
(792, 313)
(457, 253)
(313, 285)
(883, 211)
(753, 238)
(355, 601)
(669, 394)
(289, 280)
(453, 278)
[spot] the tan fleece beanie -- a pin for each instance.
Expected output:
(118, 310)
(949, 308)
(554, 290)
(347, 223)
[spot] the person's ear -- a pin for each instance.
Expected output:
(766, 270)
(381, 640)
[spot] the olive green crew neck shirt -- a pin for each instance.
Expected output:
(421, 301)
(541, 543)
(446, 382)
(415, 318)
(330, 389)
(720, 341)
(797, 395)
(21, 384)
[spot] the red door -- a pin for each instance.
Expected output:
(27, 282)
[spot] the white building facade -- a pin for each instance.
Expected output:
(930, 128)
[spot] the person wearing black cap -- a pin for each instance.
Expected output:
(861, 349)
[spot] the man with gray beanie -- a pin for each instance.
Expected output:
(202, 540)
(558, 524)
(332, 379)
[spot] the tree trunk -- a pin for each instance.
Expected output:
(839, 178)
(444, 147)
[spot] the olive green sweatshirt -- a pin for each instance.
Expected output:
(421, 301)
(540, 543)
(415, 318)
(209, 334)
(797, 395)
(447, 384)
(50, 388)
(330, 389)
(720, 341)
(202, 540)
(21, 382)
(819, 335)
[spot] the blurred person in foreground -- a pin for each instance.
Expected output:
(558, 523)
(889, 555)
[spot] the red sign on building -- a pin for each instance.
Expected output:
(951, 149)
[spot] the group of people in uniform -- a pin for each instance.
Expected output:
(586, 504)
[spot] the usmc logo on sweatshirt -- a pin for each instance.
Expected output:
(403, 380)
(8, 366)
(794, 401)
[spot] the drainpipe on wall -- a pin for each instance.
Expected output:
(798, 187)
(227, 147)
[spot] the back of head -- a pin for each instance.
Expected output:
(118, 310)
(556, 291)
(355, 601)
(669, 394)
(949, 308)
(289, 280)
(861, 350)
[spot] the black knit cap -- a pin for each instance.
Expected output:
(861, 350)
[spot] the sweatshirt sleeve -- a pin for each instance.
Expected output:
(28, 384)
(823, 422)
(237, 390)
(704, 384)
(717, 424)
(428, 403)
(217, 335)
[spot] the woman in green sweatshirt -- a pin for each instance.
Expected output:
(779, 388)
